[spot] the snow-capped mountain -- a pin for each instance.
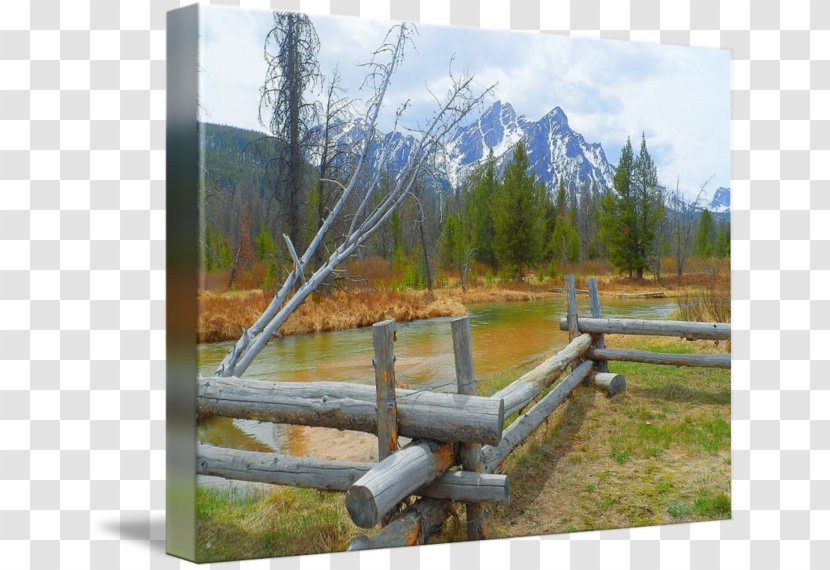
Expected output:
(720, 201)
(553, 148)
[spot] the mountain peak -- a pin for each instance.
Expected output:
(556, 115)
(720, 200)
(499, 109)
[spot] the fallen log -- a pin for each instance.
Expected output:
(330, 475)
(519, 393)
(392, 480)
(562, 290)
(610, 382)
(518, 431)
(411, 527)
(684, 329)
(341, 405)
(627, 355)
(649, 295)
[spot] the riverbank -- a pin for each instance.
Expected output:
(223, 315)
(657, 454)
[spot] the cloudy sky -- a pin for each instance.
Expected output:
(609, 90)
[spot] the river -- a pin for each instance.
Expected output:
(504, 336)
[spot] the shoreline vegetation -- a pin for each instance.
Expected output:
(701, 296)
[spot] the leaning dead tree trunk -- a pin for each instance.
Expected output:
(373, 211)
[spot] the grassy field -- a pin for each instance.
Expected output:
(656, 454)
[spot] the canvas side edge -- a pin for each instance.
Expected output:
(182, 194)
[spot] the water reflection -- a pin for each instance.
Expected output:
(504, 335)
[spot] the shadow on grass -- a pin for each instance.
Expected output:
(679, 393)
(533, 464)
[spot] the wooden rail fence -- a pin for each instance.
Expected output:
(458, 440)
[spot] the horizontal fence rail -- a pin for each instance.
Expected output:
(684, 329)
(523, 390)
(340, 405)
(648, 357)
(333, 475)
(519, 430)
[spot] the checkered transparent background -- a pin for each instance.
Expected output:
(82, 108)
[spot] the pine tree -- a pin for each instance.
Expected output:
(454, 246)
(479, 209)
(518, 217)
(264, 245)
(565, 245)
(705, 233)
(722, 244)
(618, 215)
(560, 198)
(649, 211)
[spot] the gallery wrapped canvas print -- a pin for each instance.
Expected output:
(435, 284)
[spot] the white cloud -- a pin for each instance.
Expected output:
(609, 90)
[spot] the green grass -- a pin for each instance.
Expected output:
(287, 521)
(656, 454)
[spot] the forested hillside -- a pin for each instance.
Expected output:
(501, 219)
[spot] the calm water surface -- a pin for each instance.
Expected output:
(505, 335)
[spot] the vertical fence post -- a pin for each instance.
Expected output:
(470, 452)
(383, 337)
(596, 312)
(570, 292)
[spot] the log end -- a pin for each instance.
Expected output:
(612, 383)
(362, 507)
(500, 431)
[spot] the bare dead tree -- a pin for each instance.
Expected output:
(290, 51)
(373, 211)
(334, 155)
(684, 214)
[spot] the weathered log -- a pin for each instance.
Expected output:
(383, 337)
(468, 487)
(330, 475)
(684, 329)
(411, 527)
(644, 295)
(470, 453)
(610, 382)
(519, 430)
(596, 312)
(395, 478)
(570, 292)
(277, 469)
(521, 391)
(627, 355)
(341, 405)
(562, 290)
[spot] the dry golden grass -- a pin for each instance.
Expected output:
(222, 316)
(344, 310)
